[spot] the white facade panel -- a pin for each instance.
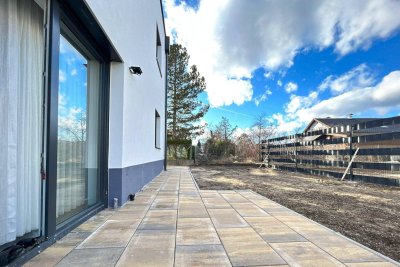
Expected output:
(132, 28)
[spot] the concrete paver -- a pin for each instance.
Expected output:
(273, 231)
(245, 247)
(91, 257)
(203, 255)
(196, 231)
(305, 254)
(226, 218)
(150, 248)
(172, 223)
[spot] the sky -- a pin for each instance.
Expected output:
(72, 96)
(292, 60)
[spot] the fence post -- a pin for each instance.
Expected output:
(351, 152)
(268, 154)
(295, 151)
(312, 155)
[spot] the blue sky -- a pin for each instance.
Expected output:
(292, 60)
(72, 96)
(308, 72)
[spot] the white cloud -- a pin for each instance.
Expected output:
(239, 131)
(360, 22)
(358, 77)
(268, 75)
(74, 72)
(225, 86)
(71, 123)
(224, 91)
(284, 125)
(62, 77)
(291, 87)
(297, 102)
(279, 83)
(263, 97)
(229, 39)
(381, 97)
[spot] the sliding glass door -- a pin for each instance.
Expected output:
(78, 185)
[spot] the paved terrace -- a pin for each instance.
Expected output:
(172, 223)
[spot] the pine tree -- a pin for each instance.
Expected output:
(184, 85)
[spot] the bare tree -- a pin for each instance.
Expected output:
(246, 149)
(261, 130)
(77, 129)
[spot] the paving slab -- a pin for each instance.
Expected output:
(172, 223)
(226, 218)
(111, 234)
(159, 220)
(273, 230)
(305, 254)
(249, 210)
(216, 203)
(245, 247)
(204, 255)
(50, 257)
(91, 257)
(196, 231)
(149, 248)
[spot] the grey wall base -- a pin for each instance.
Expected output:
(130, 180)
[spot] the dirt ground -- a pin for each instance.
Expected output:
(367, 213)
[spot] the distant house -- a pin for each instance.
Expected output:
(328, 145)
(82, 111)
(325, 123)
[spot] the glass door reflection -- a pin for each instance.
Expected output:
(78, 130)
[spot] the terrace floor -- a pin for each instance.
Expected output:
(173, 223)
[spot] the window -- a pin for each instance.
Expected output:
(159, 51)
(157, 130)
(78, 127)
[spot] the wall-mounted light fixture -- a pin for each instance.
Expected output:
(135, 70)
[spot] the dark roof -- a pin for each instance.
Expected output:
(333, 122)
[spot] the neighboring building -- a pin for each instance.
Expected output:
(365, 149)
(82, 111)
(325, 123)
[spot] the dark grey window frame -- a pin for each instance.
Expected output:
(77, 17)
(157, 115)
(158, 50)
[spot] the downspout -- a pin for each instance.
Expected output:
(166, 102)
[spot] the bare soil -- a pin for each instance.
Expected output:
(367, 213)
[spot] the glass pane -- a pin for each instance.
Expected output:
(78, 131)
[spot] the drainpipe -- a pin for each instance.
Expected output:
(166, 102)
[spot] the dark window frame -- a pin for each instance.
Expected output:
(62, 15)
(158, 50)
(157, 130)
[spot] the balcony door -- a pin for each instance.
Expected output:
(78, 185)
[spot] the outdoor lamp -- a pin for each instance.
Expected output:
(135, 70)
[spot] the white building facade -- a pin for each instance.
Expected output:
(137, 31)
(82, 111)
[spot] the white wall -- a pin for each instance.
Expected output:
(131, 27)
